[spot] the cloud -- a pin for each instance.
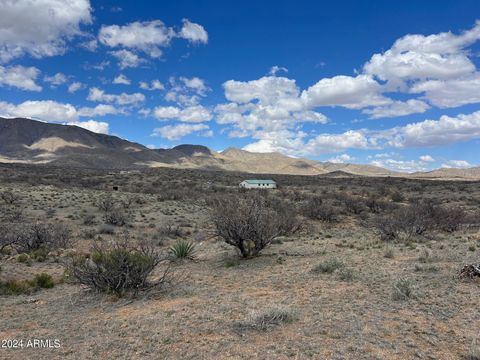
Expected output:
(350, 92)
(195, 83)
(126, 59)
(268, 109)
(154, 85)
(186, 91)
(175, 132)
(452, 92)
(330, 143)
(45, 110)
(341, 159)
(397, 108)
(121, 79)
(92, 125)
(146, 36)
(427, 158)
(90, 45)
(99, 110)
(408, 166)
(428, 133)
(49, 110)
(96, 94)
(462, 164)
(75, 86)
(40, 28)
(447, 130)
(20, 77)
(417, 57)
(268, 90)
(192, 32)
(57, 79)
(195, 113)
(275, 69)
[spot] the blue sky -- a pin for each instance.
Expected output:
(394, 84)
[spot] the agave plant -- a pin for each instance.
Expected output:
(183, 249)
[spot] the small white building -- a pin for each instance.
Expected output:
(258, 184)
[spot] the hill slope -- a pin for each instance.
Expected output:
(35, 142)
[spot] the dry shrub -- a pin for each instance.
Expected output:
(449, 219)
(117, 216)
(250, 222)
(417, 219)
(115, 212)
(38, 235)
(316, 209)
(106, 203)
(9, 197)
(118, 267)
(353, 205)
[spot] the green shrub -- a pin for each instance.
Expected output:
(23, 258)
(346, 274)
(403, 289)
(183, 249)
(40, 254)
(329, 266)
(16, 287)
(44, 281)
(232, 263)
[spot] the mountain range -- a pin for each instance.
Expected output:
(35, 142)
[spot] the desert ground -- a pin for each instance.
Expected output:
(338, 287)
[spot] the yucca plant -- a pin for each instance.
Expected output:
(183, 249)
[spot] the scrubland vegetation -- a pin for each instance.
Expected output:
(184, 264)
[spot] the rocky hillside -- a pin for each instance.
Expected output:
(34, 142)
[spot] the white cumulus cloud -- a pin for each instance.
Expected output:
(75, 86)
(175, 132)
(193, 32)
(20, 77)
(121, 79)
(40, 28)
(462, 164)
(92, 125)
(57, 79)
(96, 94)
(154, 85)
(397, 108)
(49, 110)
(127, 59)
(195, 113)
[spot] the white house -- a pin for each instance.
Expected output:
(258, 184)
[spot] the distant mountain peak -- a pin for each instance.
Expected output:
(191, 150)
(33, 142)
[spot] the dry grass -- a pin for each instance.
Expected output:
(269, 307)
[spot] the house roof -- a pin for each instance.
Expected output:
(254, 181)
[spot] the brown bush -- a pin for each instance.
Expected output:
(316, 209)
(106, 203)
(353, 205)
(250, 223)
(117, 216)
(31, 237)
(449, 219)
(417, 219)
(9, 197)
(118, 268)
